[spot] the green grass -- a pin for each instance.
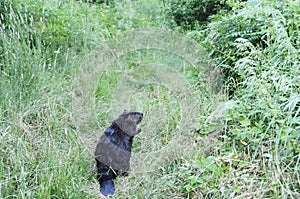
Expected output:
(67, 69)
(257, 54)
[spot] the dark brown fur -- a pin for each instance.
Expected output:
(113, 151)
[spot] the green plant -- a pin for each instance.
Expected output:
(260, 25)
(256, 50)
(194, 147)
(190, 13)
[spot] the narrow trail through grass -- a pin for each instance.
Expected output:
(157, 78)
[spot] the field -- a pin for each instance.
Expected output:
(220, 97)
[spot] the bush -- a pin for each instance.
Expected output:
(256, 48)
(259, 28)
(190, 13)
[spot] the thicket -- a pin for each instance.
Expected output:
(256, 48)
(190, 14)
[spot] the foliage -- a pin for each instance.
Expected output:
(257, 50)
(251, 151)
(190, 13)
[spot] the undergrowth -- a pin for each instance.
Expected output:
(41, 48)
(257, 50)
(245, 147)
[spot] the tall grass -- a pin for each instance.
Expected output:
(256, 49)
(43, 154)
(247, 147)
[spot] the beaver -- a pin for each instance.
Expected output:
(113, 150)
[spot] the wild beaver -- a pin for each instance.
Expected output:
(113, 150)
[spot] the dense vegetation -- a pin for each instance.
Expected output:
(245, 140)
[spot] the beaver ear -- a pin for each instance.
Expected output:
(126, 114)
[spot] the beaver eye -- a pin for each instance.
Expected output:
(139, 115)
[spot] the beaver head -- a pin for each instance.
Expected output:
(128, 122)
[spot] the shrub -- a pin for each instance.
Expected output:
(257, 49)
(189, 13)
(258, 29)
